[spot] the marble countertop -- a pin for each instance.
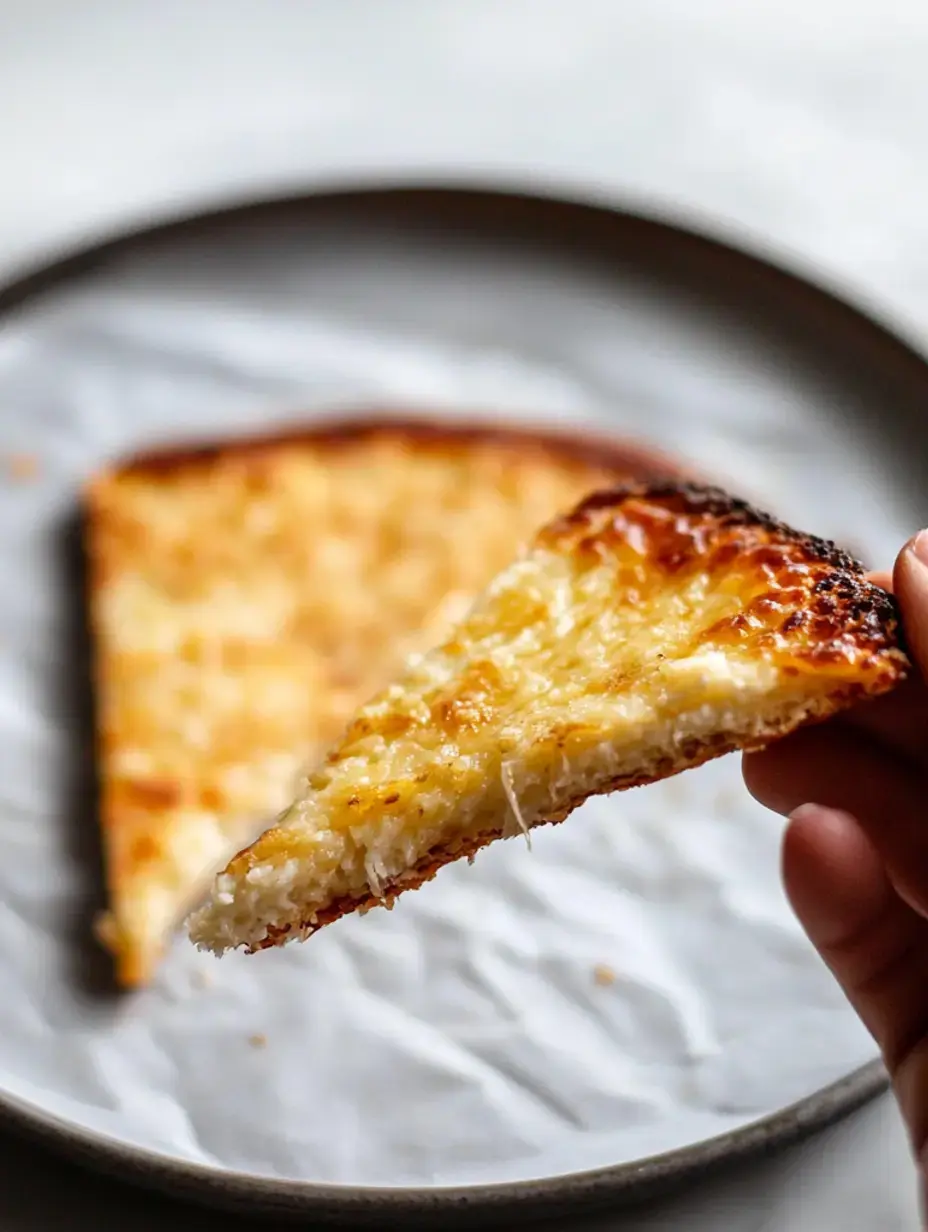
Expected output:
(799, 128)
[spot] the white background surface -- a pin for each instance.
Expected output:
(800, 123)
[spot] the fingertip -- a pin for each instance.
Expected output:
(773, 774)
(765, 773)
(819, 836)
(832, 874)
(752, 766)
(808, 855)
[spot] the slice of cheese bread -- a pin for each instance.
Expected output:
(654, 628)
(245, 599)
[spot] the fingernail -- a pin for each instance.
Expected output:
(920, 547)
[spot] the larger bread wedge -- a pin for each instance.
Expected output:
(246, 598)
(654, 628)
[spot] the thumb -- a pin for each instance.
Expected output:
(910, 582)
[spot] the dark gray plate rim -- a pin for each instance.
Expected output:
(561, 221)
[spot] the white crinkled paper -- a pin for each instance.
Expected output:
(463, 1036)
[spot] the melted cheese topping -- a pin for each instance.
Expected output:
(243, 606)
(623, 647)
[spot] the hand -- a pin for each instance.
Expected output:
(855, 853)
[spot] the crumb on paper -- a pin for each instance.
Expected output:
(202, 979)
(603, 975)
(22, 466)
(258, 1040)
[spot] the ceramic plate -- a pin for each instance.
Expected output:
(463, 1053)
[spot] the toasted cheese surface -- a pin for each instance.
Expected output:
(653, 628)
(245, 600)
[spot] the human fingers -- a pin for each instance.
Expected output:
(898, 721)
(874, 943)
(844, 769)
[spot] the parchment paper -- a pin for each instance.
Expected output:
(463, 1036)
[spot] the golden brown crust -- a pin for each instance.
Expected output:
(123, 536)
(583, 444)
(813, 584)
(703, 514)
(809, 607)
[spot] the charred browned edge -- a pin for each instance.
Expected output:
(843, 588)
(704, 500)
(691, 756)
(581, 445)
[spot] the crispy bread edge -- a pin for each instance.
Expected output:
(845, 596)
(705, 501)
(582, 444)
(130, 970)
(692, 756)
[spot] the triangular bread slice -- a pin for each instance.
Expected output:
(246, 598)
(652, 629)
